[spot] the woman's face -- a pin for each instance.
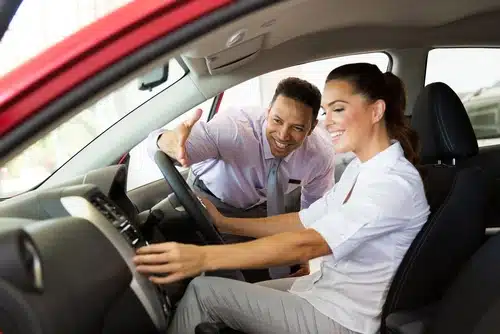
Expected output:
(350, 117)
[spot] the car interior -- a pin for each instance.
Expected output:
(67, 241)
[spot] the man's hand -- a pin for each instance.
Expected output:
(173, 143)
(179, 261)
(183, 131)
(303, 271)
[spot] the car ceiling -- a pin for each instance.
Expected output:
(291, 19)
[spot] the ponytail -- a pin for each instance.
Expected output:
(396, 122)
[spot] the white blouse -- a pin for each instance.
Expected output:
(368, 234)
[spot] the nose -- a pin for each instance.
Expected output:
(330, 118)
(284, 133)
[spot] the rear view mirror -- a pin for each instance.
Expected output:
(154, 78)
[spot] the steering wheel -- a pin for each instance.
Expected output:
(194, 208)
(188, 199)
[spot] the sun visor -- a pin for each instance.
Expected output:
(235, 56)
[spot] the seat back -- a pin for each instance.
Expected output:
(472, 303)
(457, 199)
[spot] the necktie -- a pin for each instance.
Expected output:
(276, 206)
(275, 196)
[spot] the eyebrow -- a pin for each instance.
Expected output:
(333, 102)
(298, 125)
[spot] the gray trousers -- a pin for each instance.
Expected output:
(265, 307)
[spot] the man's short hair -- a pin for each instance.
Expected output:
(300, 90)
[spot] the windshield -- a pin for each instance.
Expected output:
(44, 157)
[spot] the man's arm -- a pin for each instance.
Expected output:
(189, 143)
(173, 143)
(168, 141)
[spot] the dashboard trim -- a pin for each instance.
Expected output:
(144, 290)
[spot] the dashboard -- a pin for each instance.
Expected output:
(66, 256)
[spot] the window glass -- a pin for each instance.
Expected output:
(142, 169)
(44, 157)
(474, 74)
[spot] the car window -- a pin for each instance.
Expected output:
(474, 74)
(41, 159)
(142, 169)
(259, 91)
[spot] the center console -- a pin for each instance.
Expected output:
(125, 236)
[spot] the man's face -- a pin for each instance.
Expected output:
(289, 122)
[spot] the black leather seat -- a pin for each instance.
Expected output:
(457, 196)
(470, 305)
(455, 228)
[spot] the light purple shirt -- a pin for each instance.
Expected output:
(231, 155)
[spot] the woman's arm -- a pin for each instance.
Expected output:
(261, 227)
(180, 261)
(254, 227)
(280, 249)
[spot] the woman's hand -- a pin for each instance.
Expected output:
(303, 270)
(177, 260)
(217, 217)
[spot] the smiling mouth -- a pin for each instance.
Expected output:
(336, 134)
(280, 145)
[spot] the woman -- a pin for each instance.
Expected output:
(362, 229)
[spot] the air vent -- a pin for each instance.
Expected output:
(114, 215)
(108, 210)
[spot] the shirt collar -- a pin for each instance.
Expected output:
(267, 149)
(383, 159)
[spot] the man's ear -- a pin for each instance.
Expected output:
(315, 122)
(378, 111)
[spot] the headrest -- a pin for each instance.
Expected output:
(443, 126)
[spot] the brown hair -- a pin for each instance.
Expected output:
(369, 81)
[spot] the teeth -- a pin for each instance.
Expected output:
(280, 145)
(337, 134)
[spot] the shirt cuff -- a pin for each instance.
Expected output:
(152, 143)
(305, 217)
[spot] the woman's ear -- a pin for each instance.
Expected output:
(378, 111)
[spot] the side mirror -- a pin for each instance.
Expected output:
(154, 78)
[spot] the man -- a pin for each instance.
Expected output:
(246, 159)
